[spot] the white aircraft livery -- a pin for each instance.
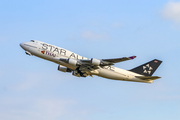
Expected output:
(83, 67)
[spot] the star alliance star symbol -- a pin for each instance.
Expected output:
(147, 69)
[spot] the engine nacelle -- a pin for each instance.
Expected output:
(96, 62)
(73, 62)
(64, 69)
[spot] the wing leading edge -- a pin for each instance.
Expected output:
(116, 60)
(109, 61)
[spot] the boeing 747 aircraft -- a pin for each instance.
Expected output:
(82, 67)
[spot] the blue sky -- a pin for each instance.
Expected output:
(32, 88)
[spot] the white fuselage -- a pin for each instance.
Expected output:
(54, 53)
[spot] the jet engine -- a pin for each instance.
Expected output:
(70, 61)
(64, 69)
(73, 62)
(96, 62)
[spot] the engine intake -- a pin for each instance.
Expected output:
(96, 62)
(73, 62)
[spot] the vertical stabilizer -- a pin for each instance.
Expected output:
(147, 69)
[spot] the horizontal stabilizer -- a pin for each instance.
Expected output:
(148, 77)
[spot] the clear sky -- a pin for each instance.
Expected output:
(33, 89)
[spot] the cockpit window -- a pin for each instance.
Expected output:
(32, 41)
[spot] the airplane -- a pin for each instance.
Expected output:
(82, 67)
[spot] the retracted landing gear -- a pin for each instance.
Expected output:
(79, 73)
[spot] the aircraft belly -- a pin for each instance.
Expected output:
(139, 80)
(119, 76)
(110, 74)
(106, 73)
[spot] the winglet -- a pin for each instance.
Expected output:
(132, 57)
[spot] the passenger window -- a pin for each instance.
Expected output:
(32, 41)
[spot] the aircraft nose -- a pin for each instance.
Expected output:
(21, 44)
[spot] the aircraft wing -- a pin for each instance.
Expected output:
(116, 60)
(106, 62)
(93, 64)
(148, 77)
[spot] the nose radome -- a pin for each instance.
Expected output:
(21, 44)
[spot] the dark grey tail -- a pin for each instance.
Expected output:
(147, 69)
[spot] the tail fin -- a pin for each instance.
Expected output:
(147, 69)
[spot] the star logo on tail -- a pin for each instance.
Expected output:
(147, 69)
